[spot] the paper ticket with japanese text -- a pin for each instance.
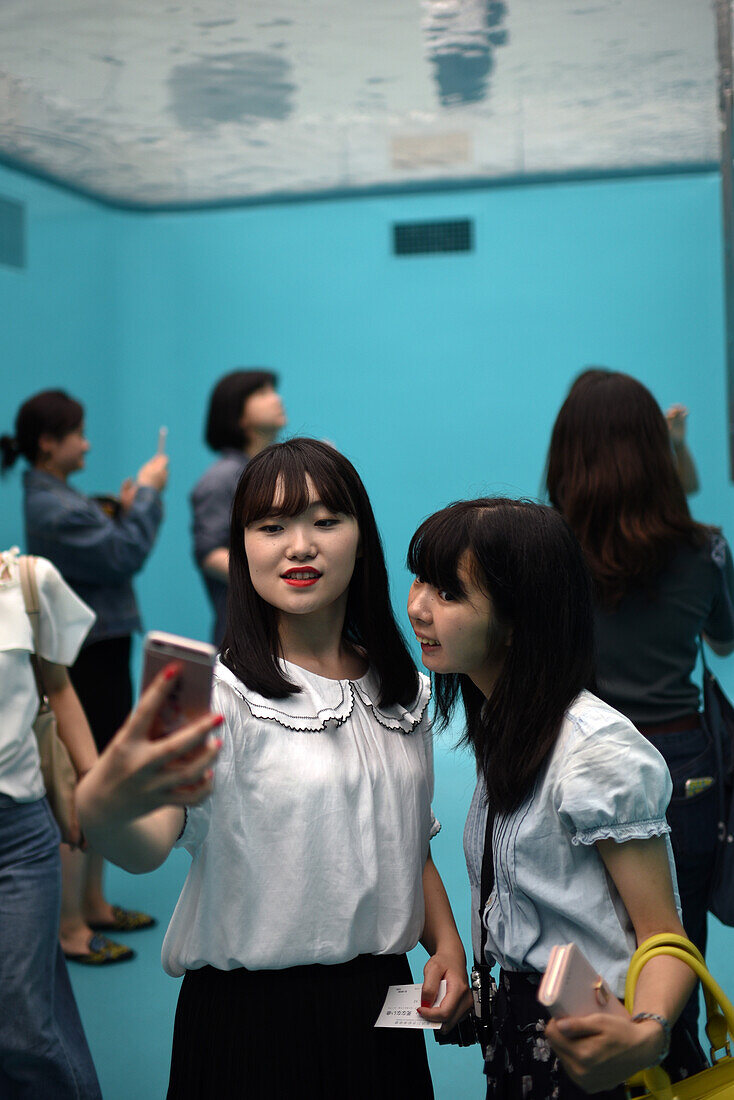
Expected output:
(401, 1004)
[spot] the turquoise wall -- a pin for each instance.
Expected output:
(439, 376)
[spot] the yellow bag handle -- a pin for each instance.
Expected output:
(719, 1009)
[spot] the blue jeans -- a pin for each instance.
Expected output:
(43, 1050)
(693, 831)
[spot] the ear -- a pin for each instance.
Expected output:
(46, 443)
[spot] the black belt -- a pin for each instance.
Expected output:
(676, 725)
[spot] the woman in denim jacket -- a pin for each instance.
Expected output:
(98, 555)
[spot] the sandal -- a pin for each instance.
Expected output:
(125, 920)
(102, 951)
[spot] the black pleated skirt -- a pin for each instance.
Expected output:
(304, 1031)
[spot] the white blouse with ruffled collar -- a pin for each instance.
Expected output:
(312, 846)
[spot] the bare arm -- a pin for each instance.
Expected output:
(686, 468)
(641, 873)
(676, 417)
(137, 846)
(71, 721)
(443, 943)
(601, 1051)
(216, 564)
(131, 804)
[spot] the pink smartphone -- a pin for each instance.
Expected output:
(190, 696)
(571, 986)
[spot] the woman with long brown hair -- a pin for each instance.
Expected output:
(662, 582)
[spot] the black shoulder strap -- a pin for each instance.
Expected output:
(486, 881)
(712, 718)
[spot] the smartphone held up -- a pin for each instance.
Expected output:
(190, 694)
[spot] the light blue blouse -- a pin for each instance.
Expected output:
(603, 781)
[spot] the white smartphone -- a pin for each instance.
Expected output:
(190, 696)
(571, 986)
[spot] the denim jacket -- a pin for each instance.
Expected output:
(96, 555)
(211, 505)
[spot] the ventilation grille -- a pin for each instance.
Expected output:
(12, 233)
(418, 238)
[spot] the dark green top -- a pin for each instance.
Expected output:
(647, 646)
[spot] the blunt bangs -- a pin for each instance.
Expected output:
(278, 483)
(437, 547)
(275, 481)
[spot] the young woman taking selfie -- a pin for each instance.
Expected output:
(311, 870)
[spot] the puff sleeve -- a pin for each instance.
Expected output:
(613, 786)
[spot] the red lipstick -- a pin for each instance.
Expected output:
(301, 578)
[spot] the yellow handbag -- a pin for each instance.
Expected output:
(715, 1082)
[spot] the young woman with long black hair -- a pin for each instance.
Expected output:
(662, 582)
(311, 873)
(501, 606)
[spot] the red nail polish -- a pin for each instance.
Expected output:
(217, 721)
(171, 671)
(425, 1004)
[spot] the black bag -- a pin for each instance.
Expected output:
(719, 715)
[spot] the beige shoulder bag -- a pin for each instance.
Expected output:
(59, 775)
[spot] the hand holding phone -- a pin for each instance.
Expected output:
(136, 775)
(190, 695)
(571, 986)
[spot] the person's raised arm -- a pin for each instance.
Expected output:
(447, 958)
(676, 417)
(89, 545)
(131, 803)
(601, 1051)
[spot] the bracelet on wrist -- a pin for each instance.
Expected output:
(639, 1017)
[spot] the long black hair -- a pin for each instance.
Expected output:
(227, 400)
(525, 558)
(251, 646)
(51, 412)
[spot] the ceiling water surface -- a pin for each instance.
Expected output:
(150, 103)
